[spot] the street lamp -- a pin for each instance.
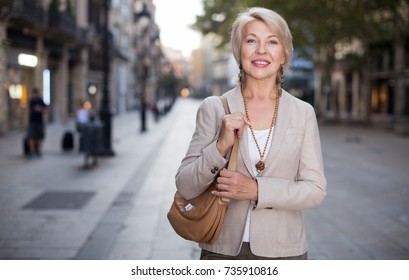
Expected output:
(143, 16)
(105, 112)
(143, 98)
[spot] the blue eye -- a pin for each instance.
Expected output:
(250, 41)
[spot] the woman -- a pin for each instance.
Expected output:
(279, 166)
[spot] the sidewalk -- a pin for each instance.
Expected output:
(366, 212)
(80, 207)
(117, 210)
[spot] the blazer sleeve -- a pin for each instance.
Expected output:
(308, 190)
(202, 162)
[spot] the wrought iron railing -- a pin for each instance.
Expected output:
(28, 9)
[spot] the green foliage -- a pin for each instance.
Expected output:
(169, 79)
(314, 24)
(54, 5)
(218, 18)
(69, 8)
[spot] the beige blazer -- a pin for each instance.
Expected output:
(293, 179)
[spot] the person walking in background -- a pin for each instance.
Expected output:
(279, 165)
(83, 114)
(36, 126)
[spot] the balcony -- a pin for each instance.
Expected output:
(27, 13)
(62, 26)
(5, 8)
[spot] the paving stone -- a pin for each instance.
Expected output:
(52, 200)
(364, 216)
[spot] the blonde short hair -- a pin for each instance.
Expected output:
(273, 21)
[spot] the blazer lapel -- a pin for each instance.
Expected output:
(236, 104)
(234, 100)
(280, 129)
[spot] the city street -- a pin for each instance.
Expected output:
(54, 208)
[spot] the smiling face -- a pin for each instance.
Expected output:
(261, 51)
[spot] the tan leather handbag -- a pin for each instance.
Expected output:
(201, 218)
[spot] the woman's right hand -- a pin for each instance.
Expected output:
(231, 124)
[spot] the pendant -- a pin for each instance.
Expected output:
(260, 166)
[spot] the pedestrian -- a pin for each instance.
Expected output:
(82, 114)
(36, 126)
(279, 164)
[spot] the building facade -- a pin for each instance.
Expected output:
(65, 48)
(367, 82)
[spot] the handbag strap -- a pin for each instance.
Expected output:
(233, 156)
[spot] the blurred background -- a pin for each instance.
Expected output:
(141, 68)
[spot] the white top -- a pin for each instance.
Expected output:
(261, 136)
(82, 115)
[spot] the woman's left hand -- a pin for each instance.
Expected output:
(234, 185)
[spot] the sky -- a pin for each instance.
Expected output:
(174, 18)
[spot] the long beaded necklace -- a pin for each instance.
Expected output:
(260, 164)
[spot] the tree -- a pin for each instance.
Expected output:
(54, 6)
(314, 24)
(318, 26)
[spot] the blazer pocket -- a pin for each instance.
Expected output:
(290, 226)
